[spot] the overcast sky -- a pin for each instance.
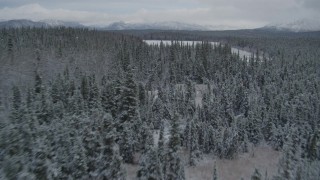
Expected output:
(233, 13)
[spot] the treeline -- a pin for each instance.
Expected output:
(78, 123)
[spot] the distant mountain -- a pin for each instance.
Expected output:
(305, 25)
(21, 23)
(45, 23)
(158, 25)
(114, 26)
(56, 23)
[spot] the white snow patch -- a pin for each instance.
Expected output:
(263, 157)
(201, 90)
(153, 95)
(242, 53)
(156, 135)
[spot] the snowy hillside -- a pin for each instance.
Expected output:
(304, 25)
(21, 23)
(120, 25)
(157, 25)
(18, 23)
(56, 23)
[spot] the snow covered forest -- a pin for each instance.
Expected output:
(88, 104)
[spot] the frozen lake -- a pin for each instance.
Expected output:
(235, 50)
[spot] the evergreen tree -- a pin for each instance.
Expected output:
(175, 168)
(215, 174)
(256, 175)
(92, 150)
(94, 95)
(129, 119)
(76, 103)
(150, 167)
(40, 167)
(162, 151)
(291, 156)
(110, 166)
(16, 105)
(84, 88)
(107, 98)
(313, 147)
(126, 143)
(194, 146)
(38, 83)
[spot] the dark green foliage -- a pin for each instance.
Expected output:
(40, 168)
(194, 145)
(92, 150)
(110, 166)
(142, 94)
(162, 151)
(256, 175)
(129, 119)
(174, 167)
(85, 88)
(16, 105)
(38, 83)
(79, 165)
(94, 95)
(108, 98)
(127, 143)
(289, 162)
(313, 147)
(215, 174)
(149, 164)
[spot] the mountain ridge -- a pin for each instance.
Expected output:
(302, 25)
(295, 26)
(19, 23)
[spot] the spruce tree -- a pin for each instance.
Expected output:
(287, 162)
(162, 151)
(150, 167)
(79, 164)
(16, 105)
(313, 147)
(194, 146)
(129, 119)
(110, 165)
(38, 83)
(215, 174)
(108, 98)
(84, 88)
(94, 95)
(175, 168)
(39, 163)
(256, 175)
(92, 146)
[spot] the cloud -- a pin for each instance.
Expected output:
(203, 16)
(235, 13)
(311, 4)
(266, 10)
(37, 12)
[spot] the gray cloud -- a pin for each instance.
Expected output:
(236, 13)
(312, 4)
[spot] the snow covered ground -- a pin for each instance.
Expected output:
(263, 157)
(200, 90)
